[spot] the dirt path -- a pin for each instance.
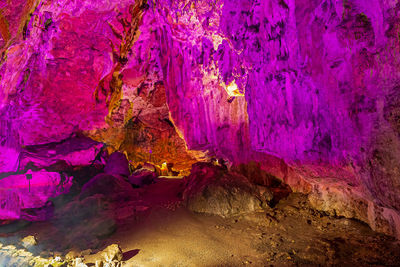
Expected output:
(290, 234)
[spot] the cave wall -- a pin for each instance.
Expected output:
(309, 89)
(317, 95)
(319, 78)
(58, 80)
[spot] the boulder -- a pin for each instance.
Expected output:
(214, 190)
(72, 254)
(83, 222)
(117, 164)
(112, 187)
(77, 211)
(29, 241)
(148, 166)
(112, 253)
(83, 174)
(100, 227)
(78, 262)
(59, 156)
(142, 177)
(111, 256)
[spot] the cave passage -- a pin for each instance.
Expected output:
(199, 133)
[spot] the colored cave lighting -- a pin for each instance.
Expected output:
(232, 89)
(164, 168)
(216, 40)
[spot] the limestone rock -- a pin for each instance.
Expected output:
(29, 241)
(213, 190)
(112, 187)
(78, 262)
(117, 164)
(112, 253)
(86, 252)
(142, 177)
(88, 219)
(73, 151)
(72, 254)
(101, 227)
(18, 193)
(80, 210)
(340, 198)
(266, 194)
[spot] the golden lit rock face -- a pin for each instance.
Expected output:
(142, 129)
(232, 89)
(4, 28)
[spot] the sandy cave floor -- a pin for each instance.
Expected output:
(167, 234)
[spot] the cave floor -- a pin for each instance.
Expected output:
(164, 233)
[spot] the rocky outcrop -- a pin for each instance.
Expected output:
(19, 192)
(142, 177)
(73, 151)
(111, 254)
(315, 85)
(117, 164)
(12, 256)
(343, 198)
(213, 190)
(48, 92)
(112, 187)
(95, 211)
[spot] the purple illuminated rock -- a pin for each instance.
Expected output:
(74, 151)
(17, 193)
(117, 164)
(9, 159)
(142, 177)
(112, 187)
(319, 87)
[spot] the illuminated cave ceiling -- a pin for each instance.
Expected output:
(309, 89)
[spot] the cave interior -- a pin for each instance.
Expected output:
(199, 133)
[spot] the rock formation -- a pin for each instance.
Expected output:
(309, 90)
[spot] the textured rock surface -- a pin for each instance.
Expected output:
(142, 177)
(306, 88)
(319, 81)
(320, 85)
(112, 253)
(117, 164)
(341, 198)
(29, 241)
(74, 151)
(213, 190)
(18, 193)
(112, 187)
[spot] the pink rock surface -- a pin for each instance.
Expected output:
(319, 81)
(75, 151)
(17, 192)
